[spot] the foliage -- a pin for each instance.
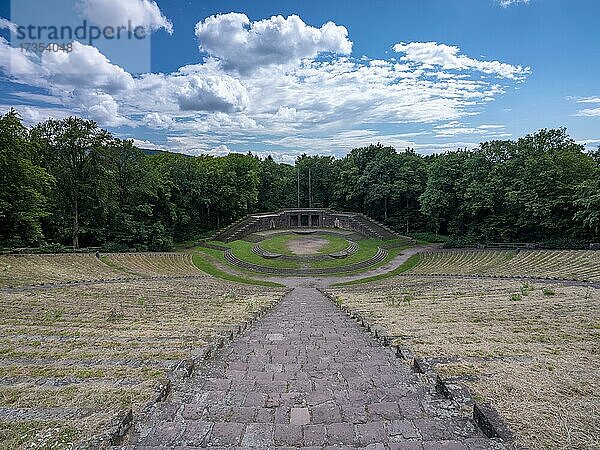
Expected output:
(70, 182)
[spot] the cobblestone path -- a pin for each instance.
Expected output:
(306, 375)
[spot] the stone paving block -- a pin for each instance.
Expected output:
(326, 413)
(196, 433)
(258, 435)
(432, 429)
(340, 433)
(242, 414)
(299, 416)
(288, 434)
(264, 415)
(371, 432)
(165, 433)
(354, 414)
(406, 445)
(256, 399)
(314, 435)
(192, 411)
(226, 434)
(400, 430)
(384, 411)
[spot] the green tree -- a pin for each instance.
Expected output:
(75, 151)
(24, 186)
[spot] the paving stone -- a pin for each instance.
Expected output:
(326, 413)
(384, 410)
(299, 416)
(258, 435)
(314, 435)
(371, 432)
(400, 430)
(288, 434)
(340, 433)
(226, 434)
(196, 433)
(306, 375)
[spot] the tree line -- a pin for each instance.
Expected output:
(69, 182)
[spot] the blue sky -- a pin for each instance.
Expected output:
(220, 76)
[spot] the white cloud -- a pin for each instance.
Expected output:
(295, 102)
(587, 112)
(148, 145)
(157, 120)
(448, 57)
(589, 100)
(507, 3)
(455, 128)
(143, 13)
(243, 45)
(85, 67)
(6, 24)
(21, 66)
(211, 93)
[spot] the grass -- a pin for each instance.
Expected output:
(65, 348)
(202, 261)
(367, 248)
(534, 359)
(243, 250)
(404, 267)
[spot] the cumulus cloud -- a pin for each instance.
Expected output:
(85, 67)
(279, 95)
(448, 57)
(211, 93)
(143, 13)
(243, 45)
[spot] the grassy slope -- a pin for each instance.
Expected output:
(202, 260)
(405, 266)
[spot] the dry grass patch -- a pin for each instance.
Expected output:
(581, 265)
(154, 264)
(72, 356)
(532, 350)
(23, 270)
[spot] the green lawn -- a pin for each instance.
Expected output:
(243, 250)
(366, 249)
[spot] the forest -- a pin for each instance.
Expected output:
(70, 183)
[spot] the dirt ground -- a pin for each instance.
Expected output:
(308, 245)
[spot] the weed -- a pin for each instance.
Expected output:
(526, 288)
(548, 291)
(516, 297)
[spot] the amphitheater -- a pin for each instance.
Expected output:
(301, 328)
